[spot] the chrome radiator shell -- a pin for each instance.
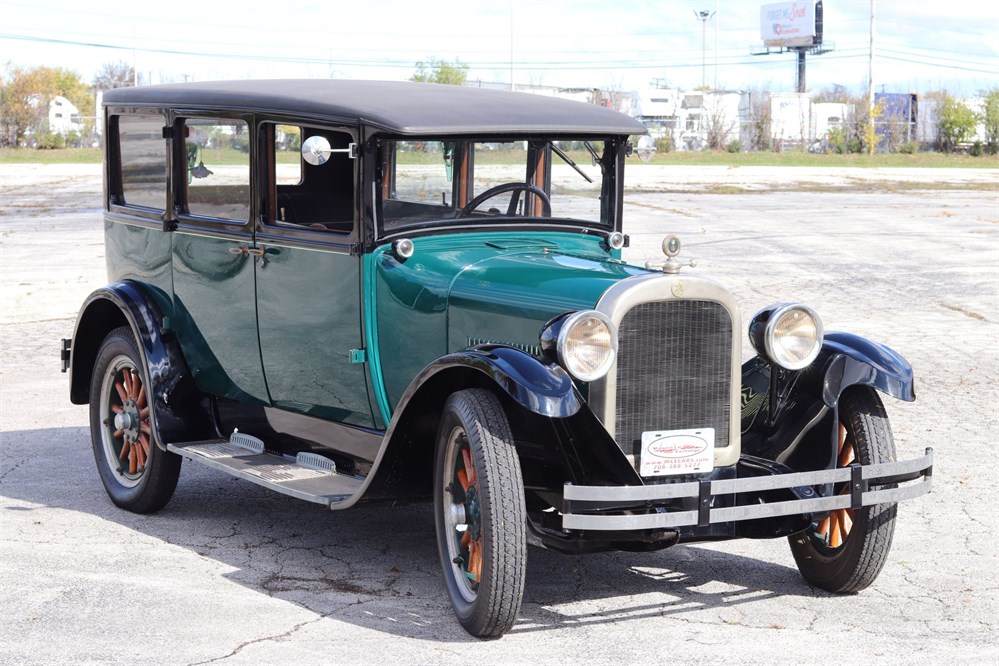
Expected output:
(676, 297)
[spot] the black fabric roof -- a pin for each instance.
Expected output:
(393, 106)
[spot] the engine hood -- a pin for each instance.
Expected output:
(509, 296)
(458, 291)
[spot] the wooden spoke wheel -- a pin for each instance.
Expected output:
(125, 421)
(833, 531)
(480, 513)
(845, 551)
(136, 474)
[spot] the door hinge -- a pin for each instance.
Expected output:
(358, 356)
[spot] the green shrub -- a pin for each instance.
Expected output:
(837, 140)
(956, 122)
(977, 149)
(909, 148)
(734, 146)
(990, 117)
(50, 141)
(664, 143)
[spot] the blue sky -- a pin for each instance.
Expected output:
(921, 45)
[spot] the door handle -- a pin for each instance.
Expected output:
(247, 251)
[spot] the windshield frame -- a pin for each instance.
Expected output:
(537, 172)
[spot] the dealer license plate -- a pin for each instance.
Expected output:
(677, 451)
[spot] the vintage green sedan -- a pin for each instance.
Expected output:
(351, 291)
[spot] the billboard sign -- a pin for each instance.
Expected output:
(788, 24)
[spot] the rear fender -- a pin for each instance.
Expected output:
(178, 412)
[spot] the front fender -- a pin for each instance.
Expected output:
(542, 388)
(853, 360)
(792, 417)
(176, 412)
(404, 464)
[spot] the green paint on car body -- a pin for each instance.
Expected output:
(459, 289)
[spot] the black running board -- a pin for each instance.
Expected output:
(311, 477)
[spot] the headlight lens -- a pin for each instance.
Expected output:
(791, 335)
(587, 345)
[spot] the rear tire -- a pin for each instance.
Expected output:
(480, 513)
(137, 475)
(846, 551)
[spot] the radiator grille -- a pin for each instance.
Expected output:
(673, 370)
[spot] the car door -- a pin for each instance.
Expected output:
(214, 260)
(308, 279)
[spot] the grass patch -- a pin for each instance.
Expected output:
(705, 158)
(799, 159)
(61, 156)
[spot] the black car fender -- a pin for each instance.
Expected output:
(792, 417)
(853, 360)
(404, 465)
(542, 388)
(177, 412)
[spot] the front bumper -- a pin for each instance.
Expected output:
(635, 507)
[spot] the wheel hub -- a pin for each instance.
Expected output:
(128, 420)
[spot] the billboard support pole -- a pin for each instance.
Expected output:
(801, 70)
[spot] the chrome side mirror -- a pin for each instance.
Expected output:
(316, 150)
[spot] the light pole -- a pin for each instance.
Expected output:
(703, 17)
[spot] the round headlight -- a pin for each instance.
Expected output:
(791, 335)
(587, 345)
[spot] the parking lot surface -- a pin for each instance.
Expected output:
(231, 573)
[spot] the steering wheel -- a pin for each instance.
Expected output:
(514, 200)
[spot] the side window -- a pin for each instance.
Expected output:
(288, 154)
(424, 172)
(143, 153)
(312, 196)
(217, 154)
(572, 195)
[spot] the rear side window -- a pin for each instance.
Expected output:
(218, 168)
(288, 154)
(143, 154)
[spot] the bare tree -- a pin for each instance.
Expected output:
(115, 74)
(717, 126)
(760, 121)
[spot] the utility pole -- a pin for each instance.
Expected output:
(716, 45)
(703, 17)
(870, 87)
(511, 45)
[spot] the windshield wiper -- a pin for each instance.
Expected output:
(568, 160)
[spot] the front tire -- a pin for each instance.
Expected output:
(845, 552)
(480, 513)
(137, 475)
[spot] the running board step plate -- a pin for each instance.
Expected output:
(308, 478)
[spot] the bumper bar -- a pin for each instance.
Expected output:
(589, 507)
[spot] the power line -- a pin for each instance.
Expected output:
(567, 65)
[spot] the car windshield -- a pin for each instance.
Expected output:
(433, 182)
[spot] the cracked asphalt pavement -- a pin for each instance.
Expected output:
(231, 573)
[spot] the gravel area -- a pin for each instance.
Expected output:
(229, 572)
